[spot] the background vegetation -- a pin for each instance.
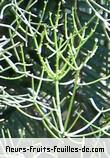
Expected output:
(54, 68)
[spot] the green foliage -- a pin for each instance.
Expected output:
(54, 68)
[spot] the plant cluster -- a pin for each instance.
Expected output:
(53, 68)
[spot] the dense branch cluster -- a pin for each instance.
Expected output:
(48, 51)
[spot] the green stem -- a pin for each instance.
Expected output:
(74, 122)
(58, 107)
(72, 100)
